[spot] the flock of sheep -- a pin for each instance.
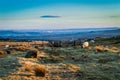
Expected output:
(7, 48)
(85, 44)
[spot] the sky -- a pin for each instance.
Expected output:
(59, 14)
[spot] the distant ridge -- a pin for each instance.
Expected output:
(60, 34)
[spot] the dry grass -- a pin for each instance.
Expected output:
(1, 79)
(21, 48)
(107, 48)
(99, 49)
(28, 67)
(2, 52)
(40, 70)
(65, 63)
(24, 43)
(73, 67)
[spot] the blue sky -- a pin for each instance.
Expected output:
(59, 14)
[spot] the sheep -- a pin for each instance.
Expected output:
(85, 44)
(92, 42)
(6, 46)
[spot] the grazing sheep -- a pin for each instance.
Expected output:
(85, 44)
(7, 46)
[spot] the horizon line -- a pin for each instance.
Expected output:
(65, 28)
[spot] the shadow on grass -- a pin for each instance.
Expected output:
(8, 64)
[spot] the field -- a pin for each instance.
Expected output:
(100, 61)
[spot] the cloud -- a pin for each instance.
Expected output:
(117, 16)
(49, 16)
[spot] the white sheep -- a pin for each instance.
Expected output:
(85, 44)
(7, 46)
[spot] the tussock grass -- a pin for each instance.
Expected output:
(2, 52)
(106, 49)
(28, 67)
(40, 70)
(99, 49)
(70, 63)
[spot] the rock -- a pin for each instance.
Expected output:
(8, 51)
(36, 47)
(31, 54)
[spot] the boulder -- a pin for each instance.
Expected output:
(31, 54)
(8, 51)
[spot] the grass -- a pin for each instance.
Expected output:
(72, 63)
(94, 66)
(40, 70)
(2, 52)
(28, 67)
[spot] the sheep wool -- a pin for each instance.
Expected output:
(85, 44)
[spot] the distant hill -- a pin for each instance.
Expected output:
(60, 34)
